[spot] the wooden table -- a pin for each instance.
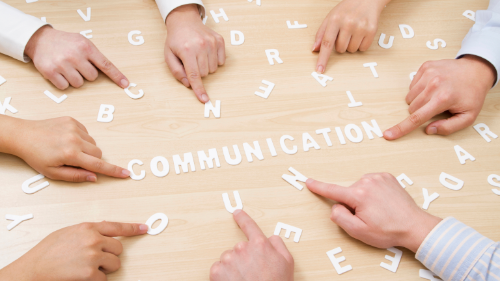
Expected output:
(169, 120)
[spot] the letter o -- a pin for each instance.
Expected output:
(161, 227)
(154, 166)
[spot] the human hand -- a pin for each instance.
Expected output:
(192, 50)
(258, 259)
(66, 58)
(350, 26)
(81, 252)
(56, 147)
(458, 86)
(377, 211)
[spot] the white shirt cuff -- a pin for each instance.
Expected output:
(167, 6)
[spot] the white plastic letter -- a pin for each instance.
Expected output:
(217, 16)
(6, 106)
(255, 151)
(267, 91)
(164, 163)
(108, 110)
(406, 31)
(16, 220)
(129, 93)
(293, 179)
(436, 44)
(340, 135)
(428, 199)
(44, 19)
(85, 17)
(325, 132)
(227, 156)
(395, 260)
(241, 38)
(491, 181)
(2, 80)
(54, 98)
(161, 227)
(284, 147)
(458, 182)
(382, 39)
(336, 261)
(348, 132)
(323, 79)
(227, 203)
(273, 54)
(295, 25)
(412, 75)
(215, 110)
(188, 159)
(353, 102)
(131, 169)
(404, 177)
(270, 144)
(30, 190)
(289, 229)
(369, 129)
(372, 65)
(212, 156)
(484, 131)
(470, 15)
(427, 274)
(86, 34)
(140, 39)
(306, 138)
(459, 151)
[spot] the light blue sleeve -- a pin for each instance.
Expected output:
(454, 251)
(483, 39)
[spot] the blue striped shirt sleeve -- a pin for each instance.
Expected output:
(454, 251)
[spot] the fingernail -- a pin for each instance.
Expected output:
(309, 181)
(143, 227)
(185, 82)
(125, 172)
(124, 83)
(204, 98)
(388, 134)
(91, 178)
(237, 211)
(320, 69)
(433, 131)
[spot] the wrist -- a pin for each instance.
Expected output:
(9, 138)
(30, 48)
(482, 67)
(422, 225)
(182, 14)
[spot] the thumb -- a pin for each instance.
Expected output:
(347, 221)
(176, 67)
(453, 124)
(114, 229)
(280, 246)
(71, 174)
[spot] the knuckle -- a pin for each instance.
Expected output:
(76, 177)
(86, 226)
(215, 270)
(226, 258)
(436, 81)
(260, 241)
(326, 44)
(240, 246)
(69, 153)
(194, 75)
(202, 42)
(88, 273)
(106, 64)
(415, 119)
(98, 165)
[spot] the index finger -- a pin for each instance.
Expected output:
(114, 229)
(108, 68)
(97, 165)
(194, 78)
(248, 225)
(415, 120)
(327, 44)
(331, 191)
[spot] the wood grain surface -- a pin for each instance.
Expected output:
(169, 120)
